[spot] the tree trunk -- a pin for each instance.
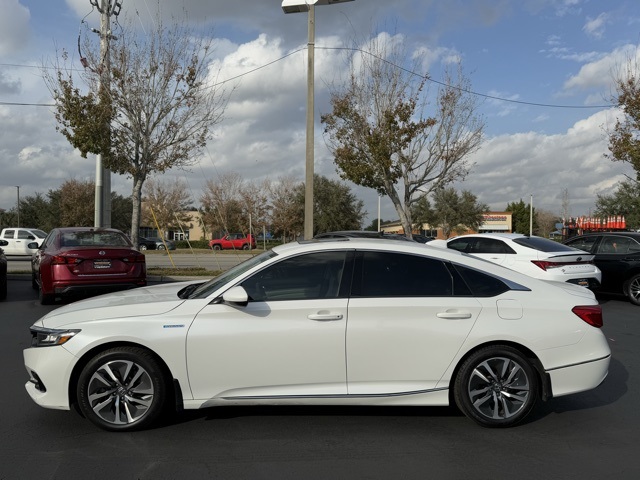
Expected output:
(136, 200)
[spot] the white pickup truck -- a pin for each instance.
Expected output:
(18, 238)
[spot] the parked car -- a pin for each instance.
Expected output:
(617, 254)
(3, 271)
(163, 244)
(426, 326)
(146, 244)
(18, 240)
(534, 256)
(361, 234)
(233, 241)
(85, 261)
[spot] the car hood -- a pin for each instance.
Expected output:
(137, 302)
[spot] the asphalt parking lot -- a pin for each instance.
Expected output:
(592, 435)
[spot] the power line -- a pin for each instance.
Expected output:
(249, 72)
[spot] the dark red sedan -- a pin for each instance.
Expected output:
(83, 261)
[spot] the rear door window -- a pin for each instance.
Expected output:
(542, 244)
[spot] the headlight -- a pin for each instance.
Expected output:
(49, 337)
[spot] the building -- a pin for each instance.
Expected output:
(494, 222)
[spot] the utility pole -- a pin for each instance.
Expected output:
(18, 205)
(107, 8)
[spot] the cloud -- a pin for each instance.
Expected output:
(14, 26)
(595, 26)
(512, 167)
(600, 73)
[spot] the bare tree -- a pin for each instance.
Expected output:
(287, 216)
(222, 205)
(167, 204)
(160, 108)
(381, 137)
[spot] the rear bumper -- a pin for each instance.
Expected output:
(578, 378)
(590, 283)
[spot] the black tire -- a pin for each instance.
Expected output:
(217, 247)
(245, 246)
(160, 247)
(45, 298)
(496, 387)
(122, 389)
(142, 248)
(3, 288)
(34, 282)
(632, 289)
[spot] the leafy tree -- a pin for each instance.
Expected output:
(624, 139)
(520, 217)
(71, 205)
(334, 206)
(158, 111)
(166, 203)
(452, 212)
(624, 201)
(381, 137)
(36, 212)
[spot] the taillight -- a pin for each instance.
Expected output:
(135, 259)
(544, 265)
(592, 314)
(62, 260)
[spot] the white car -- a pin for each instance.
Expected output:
(345, 321)
(534, 256)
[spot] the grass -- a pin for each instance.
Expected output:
(182, 272)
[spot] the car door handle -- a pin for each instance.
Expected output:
(454, 315)
(325, 317)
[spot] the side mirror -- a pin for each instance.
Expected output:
(236, 296)
(3, 243)
(33, 245)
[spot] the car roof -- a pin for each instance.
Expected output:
(381, 244)
(86, 229)
(635, 235)
(507, 236)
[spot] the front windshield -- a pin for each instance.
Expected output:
(215, 283)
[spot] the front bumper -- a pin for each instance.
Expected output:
(49, 371)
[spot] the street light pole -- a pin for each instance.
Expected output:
(309, 157)
(102, 210)
(294, 6)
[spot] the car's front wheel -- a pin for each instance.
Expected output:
(633, 289)
(122, 389)
(217, 247)
(496, 387)
(160, 247)
(142, 247)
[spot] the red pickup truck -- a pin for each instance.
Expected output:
(233, 241)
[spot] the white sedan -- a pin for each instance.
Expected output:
(534, 256)
(343, 321)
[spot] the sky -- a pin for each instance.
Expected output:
(542, 70)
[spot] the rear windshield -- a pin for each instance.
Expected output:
(543, 244)
(94, 239)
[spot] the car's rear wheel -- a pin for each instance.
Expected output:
(122, 389)
(217, 247)
(496, 387)
(45, 298)
(245, 246)
(633, 289)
